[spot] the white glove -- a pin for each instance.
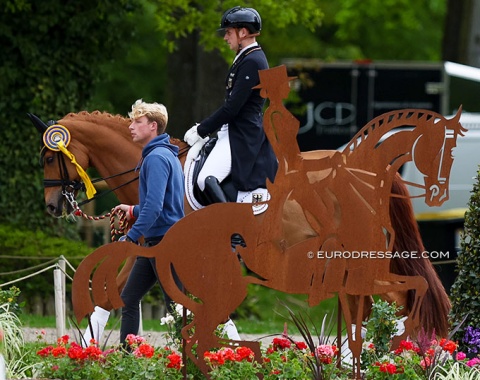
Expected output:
(195, 149)
(192, 136)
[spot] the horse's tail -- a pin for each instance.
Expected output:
(436, 303)
(102, 265)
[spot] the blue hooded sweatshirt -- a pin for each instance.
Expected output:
(161, 190)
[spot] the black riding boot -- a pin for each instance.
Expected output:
(213, 191)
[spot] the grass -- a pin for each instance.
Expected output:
(273, 313)
(269, 314)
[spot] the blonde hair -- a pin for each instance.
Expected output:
(153, 111)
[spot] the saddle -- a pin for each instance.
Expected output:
(226, 185)
(197, 199)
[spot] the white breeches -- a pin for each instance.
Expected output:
(219, 161)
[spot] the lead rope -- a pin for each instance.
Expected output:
(122, 216)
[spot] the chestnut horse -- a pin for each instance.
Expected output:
(103, 141)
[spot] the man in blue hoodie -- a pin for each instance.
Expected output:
(161, 193)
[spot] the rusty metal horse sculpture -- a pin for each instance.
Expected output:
(213, 275)
(267, 237)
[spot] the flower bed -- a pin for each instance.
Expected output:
(282, 359)
(68, 360)
(315, 358)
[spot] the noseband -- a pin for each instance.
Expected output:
(64, 181)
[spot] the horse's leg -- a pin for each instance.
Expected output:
(205, 324)
(205, 339)
(397, 283)
(357, 303)
(99, 318)
(354, 340)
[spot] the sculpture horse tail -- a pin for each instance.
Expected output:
(436, 303)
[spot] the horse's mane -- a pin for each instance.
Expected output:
(97, 117)
(375, 129)
(107, 119)
(436, 304)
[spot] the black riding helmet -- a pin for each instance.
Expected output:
(239, 17)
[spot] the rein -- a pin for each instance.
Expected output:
(181, 152)
(96, 196)
(123, 224)
(69, 187)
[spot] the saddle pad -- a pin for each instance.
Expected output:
(255, 196)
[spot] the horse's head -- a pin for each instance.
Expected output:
(433, 156)
(62, 169)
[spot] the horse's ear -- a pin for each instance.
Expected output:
(459, 113)
(39, 124)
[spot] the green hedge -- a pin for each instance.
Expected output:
(25, 252)
(465, 292)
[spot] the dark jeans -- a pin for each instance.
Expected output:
(141, 279)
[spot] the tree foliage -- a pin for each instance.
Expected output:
(51, 55)
(393, 29)
(181, 18)
(350, 29)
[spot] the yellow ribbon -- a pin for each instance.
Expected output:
(89, 188)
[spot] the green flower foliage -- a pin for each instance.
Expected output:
(465, 292)
(9, 298)
(381, 325)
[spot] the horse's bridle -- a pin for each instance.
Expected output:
(64, 181)
(70, 186)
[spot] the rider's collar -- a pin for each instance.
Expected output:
(243, 50)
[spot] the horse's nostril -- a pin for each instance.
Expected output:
(51, 209)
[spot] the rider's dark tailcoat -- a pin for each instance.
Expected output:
(253, 159)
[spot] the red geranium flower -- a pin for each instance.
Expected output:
(406, 346)
(175, 361)
(59, 351)
(76, 353)
(281, 344)
(301, 345)
(93, 352)
(46, 351)
(144, 350)
(228, 354)
(388, 368)
(63, 340)
(448, 345)
(245, 353)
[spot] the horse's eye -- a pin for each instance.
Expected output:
(49, 160)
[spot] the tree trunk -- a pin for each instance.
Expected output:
(461, 42)
(195, 84)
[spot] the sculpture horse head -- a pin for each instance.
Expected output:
(436, 181)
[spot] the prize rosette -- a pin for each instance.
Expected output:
(54, 134)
